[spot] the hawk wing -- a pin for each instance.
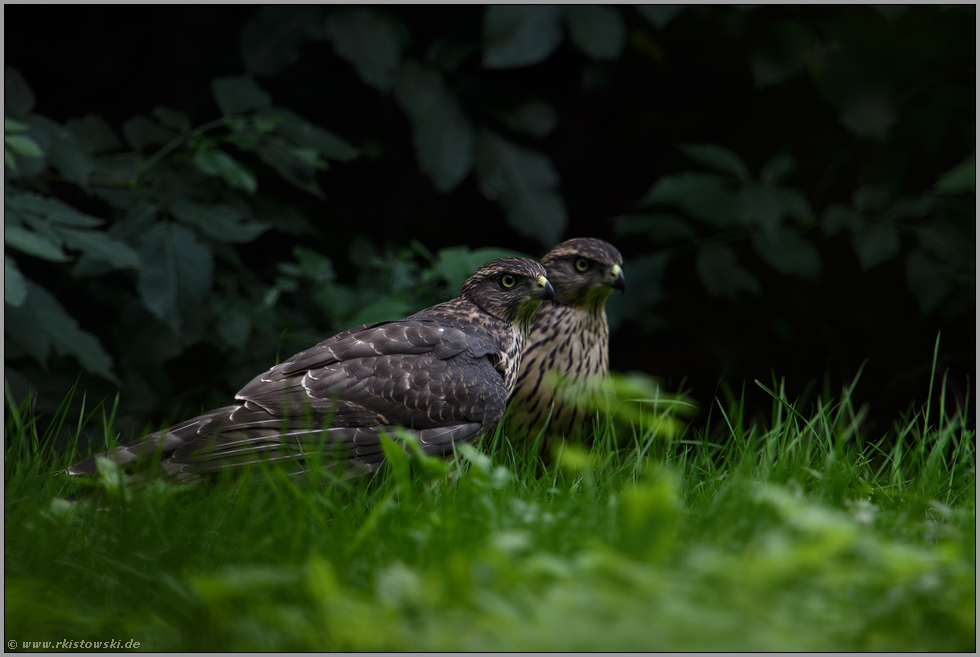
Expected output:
(335, 399)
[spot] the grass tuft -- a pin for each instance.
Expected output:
(803, 532)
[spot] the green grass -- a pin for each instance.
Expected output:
(798, 533)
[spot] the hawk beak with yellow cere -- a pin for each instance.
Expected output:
(616, 279)
(545, 291)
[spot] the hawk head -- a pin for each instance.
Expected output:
(585, 271)
(510, 289)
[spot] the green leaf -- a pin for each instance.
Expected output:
(793, 204)
(872, 198)
(390, 306)
(875, 243)
(286, 219)
(30, 167)
(247, 140)
(962, 178)
(651, 512)
(88, 265)
(101, 246)
(14, 285)
(786, 251)
(929, 281)
(113, 479)
(119, 171)
(535, 118)
(776, 169)
(140, 217)
(18, 100)
(141, 132)
(660, 15)
(65, 334)
(22, 328)
(520, 35)
(306, 134)
(64, 152)
(33, 244)
(9, 160)
(270, 40)
(278, 155)
(370, 41)
(722, 275)
(290, 269)
(239, 94)
(838, 217)
(703, 196)
(784, 54)
(718, 158)
(310, 156)
(235, 328)
(172, 119)
(767, 207)
(456, 264)
(869, 115)
(444, 139)
(39, 224)
(448, 54)
(93, 135)
(660, 227)
(760, 207)
(596, 30)
(50, 209)
(217, 163)
(233, 324)
(329, 144)
(175, 273)
(912, 208)
(23, 145)
(315, 266)
(539, 214)
(286, 284)
(523, 181)
(398, 461)
(225, 223)
(951, 244)
(9, 125)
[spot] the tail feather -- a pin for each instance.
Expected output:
(243, 435)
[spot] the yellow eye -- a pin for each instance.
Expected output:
(508, 281)
(581, 264)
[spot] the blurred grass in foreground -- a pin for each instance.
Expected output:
(805, 534)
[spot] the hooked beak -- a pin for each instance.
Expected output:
(545, 292)
(616, 279)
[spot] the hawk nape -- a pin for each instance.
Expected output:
(567, 355)
(444, 373)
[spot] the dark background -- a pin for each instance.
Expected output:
(759, 82)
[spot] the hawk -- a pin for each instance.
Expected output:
(567, 355)
(444, 373)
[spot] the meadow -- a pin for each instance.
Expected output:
(799, 531)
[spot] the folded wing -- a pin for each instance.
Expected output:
(332, 401)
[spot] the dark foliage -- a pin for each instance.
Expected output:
(193, 192)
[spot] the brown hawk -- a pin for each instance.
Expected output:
(567, 355)
(444, 373)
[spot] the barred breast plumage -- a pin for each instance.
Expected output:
(567, 354)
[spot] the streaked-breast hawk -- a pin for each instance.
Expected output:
(444, 373)
(567, 355)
